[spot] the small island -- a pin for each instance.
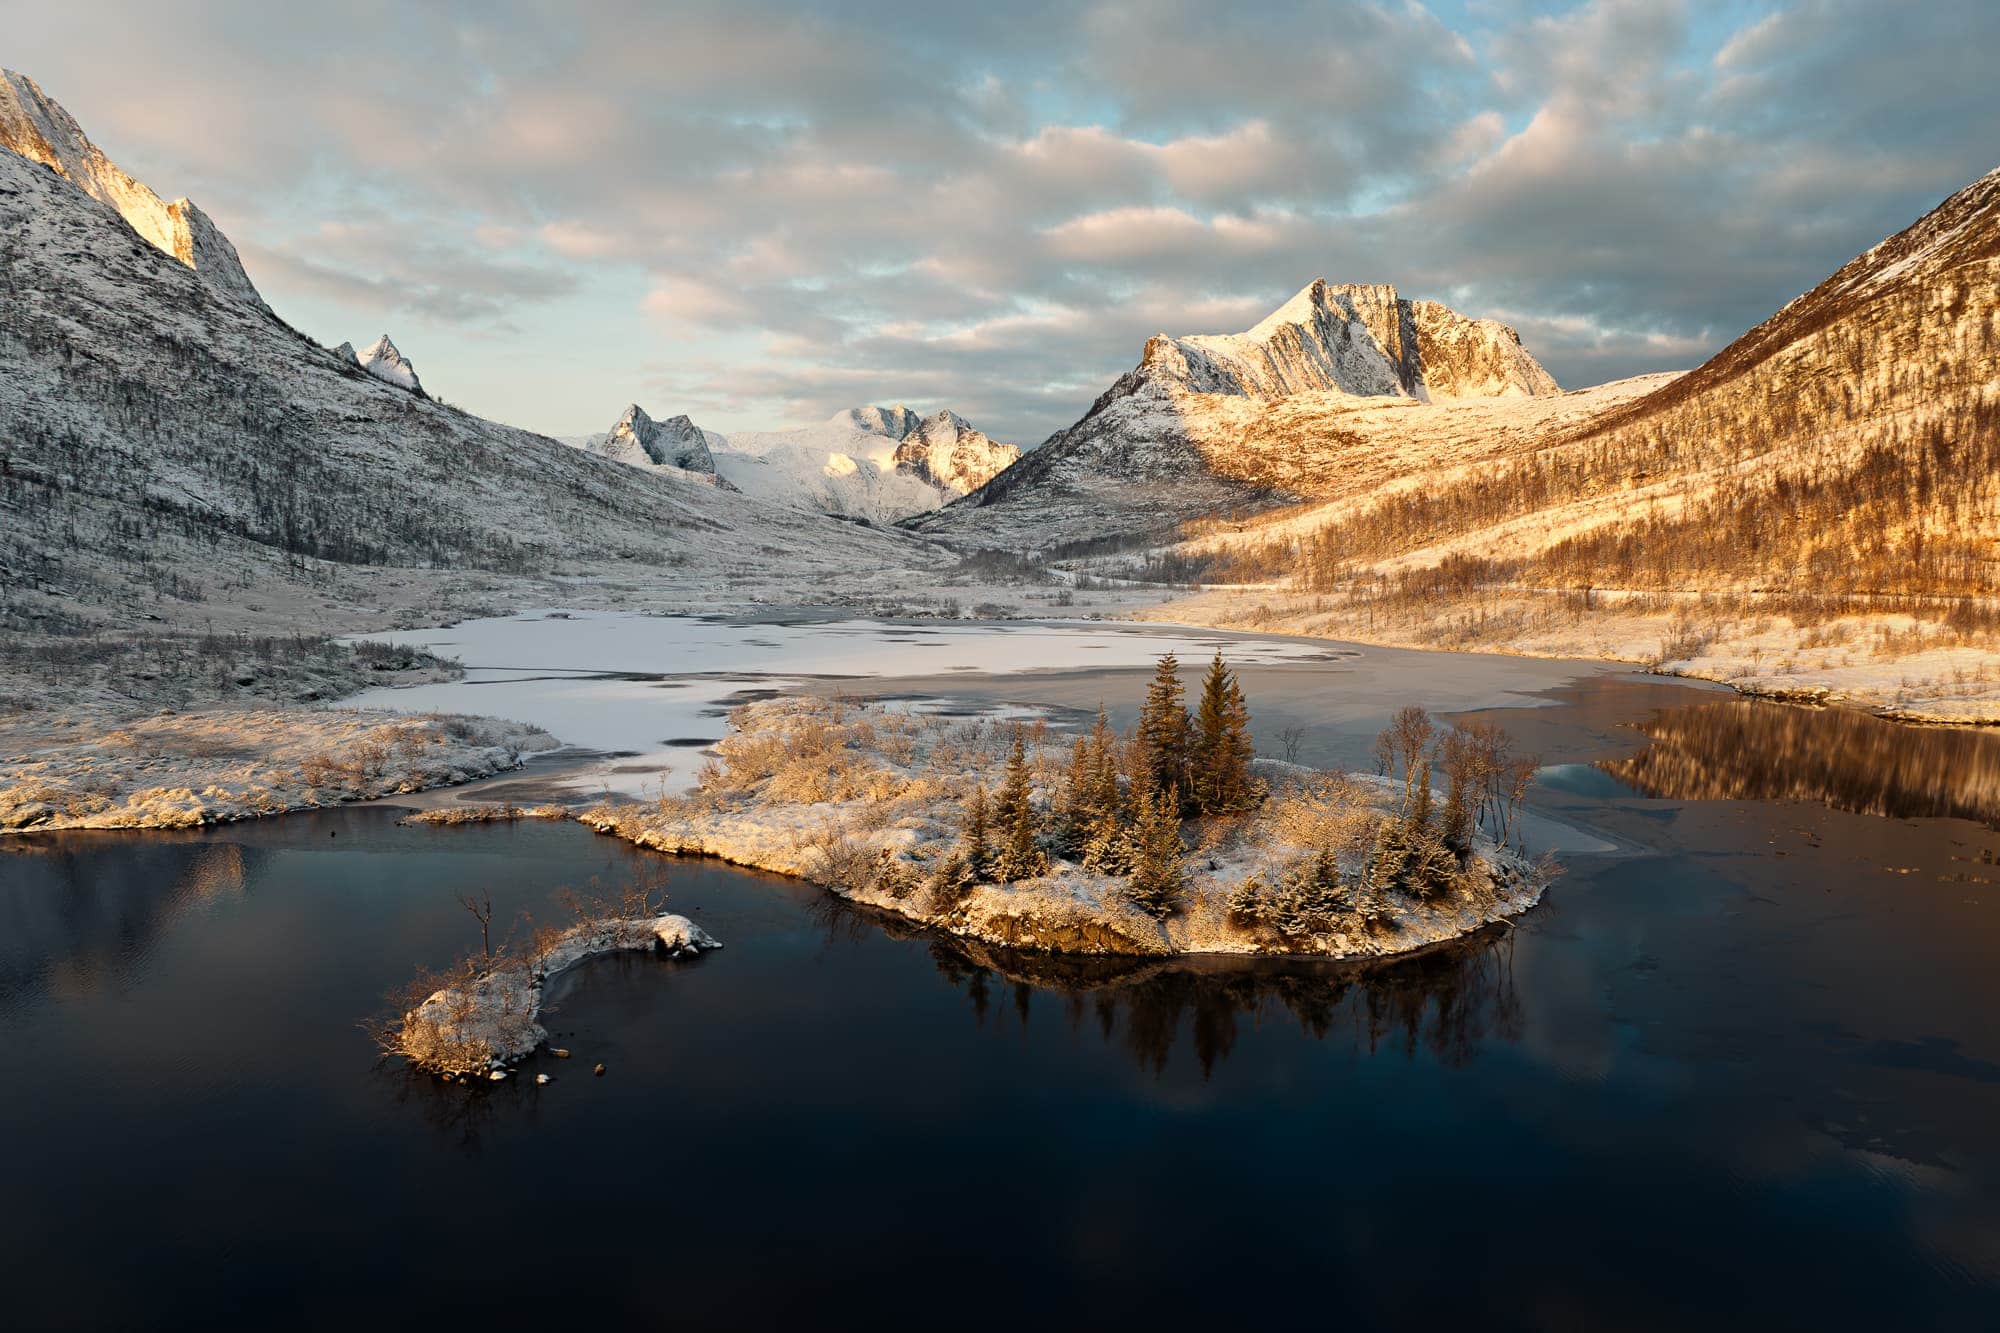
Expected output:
(1172, 839)
(484, 1014)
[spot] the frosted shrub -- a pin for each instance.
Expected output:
(1327, 810)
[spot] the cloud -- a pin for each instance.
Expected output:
(768, 209)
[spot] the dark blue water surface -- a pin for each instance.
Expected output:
(1742, 1073)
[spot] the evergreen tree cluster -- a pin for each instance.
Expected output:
(1201, 761)
(1120, 805)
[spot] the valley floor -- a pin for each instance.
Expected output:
(219, 709)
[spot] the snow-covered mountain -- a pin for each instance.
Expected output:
(637, 440)
(1363, 340)
(169, 445)
(36, 128)
(952, 454)
(1842, 457)
(384, 362)
(878, 463)
(1186, 433)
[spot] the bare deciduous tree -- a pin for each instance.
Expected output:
(1289, 740)
(481, 908)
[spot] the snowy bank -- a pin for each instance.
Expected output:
(868, 801)
(171, 769)
(491, 1017)
(1892, 664)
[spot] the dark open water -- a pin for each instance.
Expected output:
(1743, 1074)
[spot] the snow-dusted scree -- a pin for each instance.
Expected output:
(1172, 840)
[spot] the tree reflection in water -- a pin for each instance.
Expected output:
(1751, 750)
(1446, 1002)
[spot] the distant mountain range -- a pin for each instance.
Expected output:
(876, 463)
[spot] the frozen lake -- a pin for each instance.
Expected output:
(650, 692)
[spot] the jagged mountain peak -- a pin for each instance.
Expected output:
(1364, 339)
(638, 439)
(634, 419)
(33, 125)
(952, 454)
(386, 362)
(942, 418)
(891, 422)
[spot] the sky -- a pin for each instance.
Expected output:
(761, 212)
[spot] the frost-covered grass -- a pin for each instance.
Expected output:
(869, 801)
(486, 1014)
(91, 769)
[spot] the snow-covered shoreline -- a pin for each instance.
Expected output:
(1073, 913)
(1935, 684)
(170, 769)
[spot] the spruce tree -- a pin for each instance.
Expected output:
(1107, 802)
(1019, 857)
(1220, 752)
(1389, 860)
(950, 882)
(1163, 731)
(1077, 810)
(978, 852)
(1155, 882)
(1109, 849)
(1239, 749)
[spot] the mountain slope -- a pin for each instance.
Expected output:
(34, 127)
(1849, 444)
(1814, 511)
(1206, 425)
(164, 445)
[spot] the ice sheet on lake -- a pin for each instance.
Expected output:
(644, 689)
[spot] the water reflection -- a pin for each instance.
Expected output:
(79, 913)
(1748, 750)
(1446, 1003)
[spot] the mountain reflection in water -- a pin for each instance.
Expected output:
(1748, 750)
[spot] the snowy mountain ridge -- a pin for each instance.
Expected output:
(877, 463)
(33, 126)
(1360, 339)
